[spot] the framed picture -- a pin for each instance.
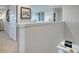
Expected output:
(25, 13)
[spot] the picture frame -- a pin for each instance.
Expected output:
(25, 13)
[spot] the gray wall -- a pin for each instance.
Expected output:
(71, 18)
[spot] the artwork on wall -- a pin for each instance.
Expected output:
(25, 13)
(7, 15)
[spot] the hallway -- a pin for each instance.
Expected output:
(6, 44)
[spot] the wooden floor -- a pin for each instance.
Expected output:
(7, 45)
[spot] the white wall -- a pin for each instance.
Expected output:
(71, 18)
(11, 26)
(42, 38)
(48, 12)
(58, 12)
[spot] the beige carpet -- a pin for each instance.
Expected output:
(7, 45)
